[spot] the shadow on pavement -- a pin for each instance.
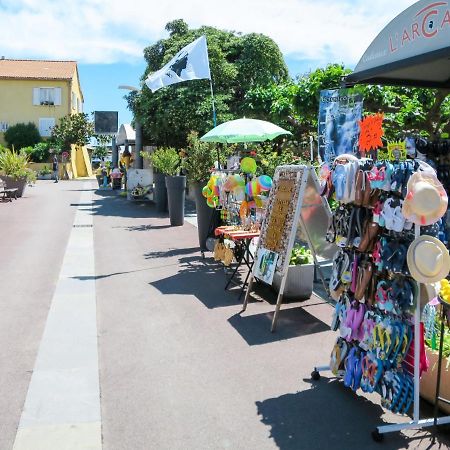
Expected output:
(326, 416)
(145, 227)
(200, 279)
(173, 252)
(292, 323)
(111, 204)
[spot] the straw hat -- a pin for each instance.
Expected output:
(426, 200)
(428, 260)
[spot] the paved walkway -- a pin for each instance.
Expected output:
(179, 367)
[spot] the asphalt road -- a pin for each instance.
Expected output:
(179, 367)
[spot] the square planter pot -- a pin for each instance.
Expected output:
(47, 176)
(428, 380)
(299, 282)
(18, 183)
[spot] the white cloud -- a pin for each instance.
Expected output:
(101, 31)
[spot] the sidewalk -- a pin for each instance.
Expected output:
(179, 367)
(182, 369)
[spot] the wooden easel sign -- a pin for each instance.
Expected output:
(280, 225)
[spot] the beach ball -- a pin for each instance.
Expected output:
(265, 182)
(212, 201)
(212, 182)
(252, 189)
(206, 192)
(248, 165)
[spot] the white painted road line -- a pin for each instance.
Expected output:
(62, 408)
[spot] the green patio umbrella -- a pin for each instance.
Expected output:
(243, 130)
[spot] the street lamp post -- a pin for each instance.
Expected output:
(138, 160)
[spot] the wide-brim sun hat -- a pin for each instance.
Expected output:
(428, 260)
(426, 200)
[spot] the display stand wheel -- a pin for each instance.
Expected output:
(377, 436)
(315, 375)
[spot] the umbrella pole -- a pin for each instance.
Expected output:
(218, 156)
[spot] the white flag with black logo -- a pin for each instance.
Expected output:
(190, 63)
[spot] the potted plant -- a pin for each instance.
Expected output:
(300, 274)
(167, 161)
(197, 162)
(13, 169)
(45, 173)
(160, 161)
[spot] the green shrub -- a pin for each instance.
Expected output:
(41, 152)
(165, 160)
(14, 164)
(300, 255)
(45, 171)
(22, 135)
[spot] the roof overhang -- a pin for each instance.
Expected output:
(126, 135)
(412, 50)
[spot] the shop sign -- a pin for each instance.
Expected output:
(277, 227)
(422, 28)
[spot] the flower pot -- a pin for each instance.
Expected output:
(428, 380)
(160, 195)
(47, 176)
(204, 215)
(176, 191)
(13, 183)
(299, 282)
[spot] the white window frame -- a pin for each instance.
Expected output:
(47, 96)
(45, 130)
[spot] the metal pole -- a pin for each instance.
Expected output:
(115, 152)
(213, 104)
(416, 416)
(139, 164)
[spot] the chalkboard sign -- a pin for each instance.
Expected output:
(106, 122)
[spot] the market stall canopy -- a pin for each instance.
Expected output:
(244, 130)
(126, 135)
(412, 50)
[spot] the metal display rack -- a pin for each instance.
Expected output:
(417, 422)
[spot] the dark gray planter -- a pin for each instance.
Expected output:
(13, 183)
(204, 215)
(176, 193)
(160, 195)
(99, 180)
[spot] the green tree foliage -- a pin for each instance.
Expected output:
(101, 149)
(295, 104)
(22, 135)
(39, 153)
(74, 129)
(238, 63)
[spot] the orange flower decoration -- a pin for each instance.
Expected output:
(371, 131)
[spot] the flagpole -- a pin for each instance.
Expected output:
(213, 104)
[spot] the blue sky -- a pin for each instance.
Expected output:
(107, 37)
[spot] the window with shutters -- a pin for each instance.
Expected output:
(74, 101)
(45, 126)
(46, 96)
